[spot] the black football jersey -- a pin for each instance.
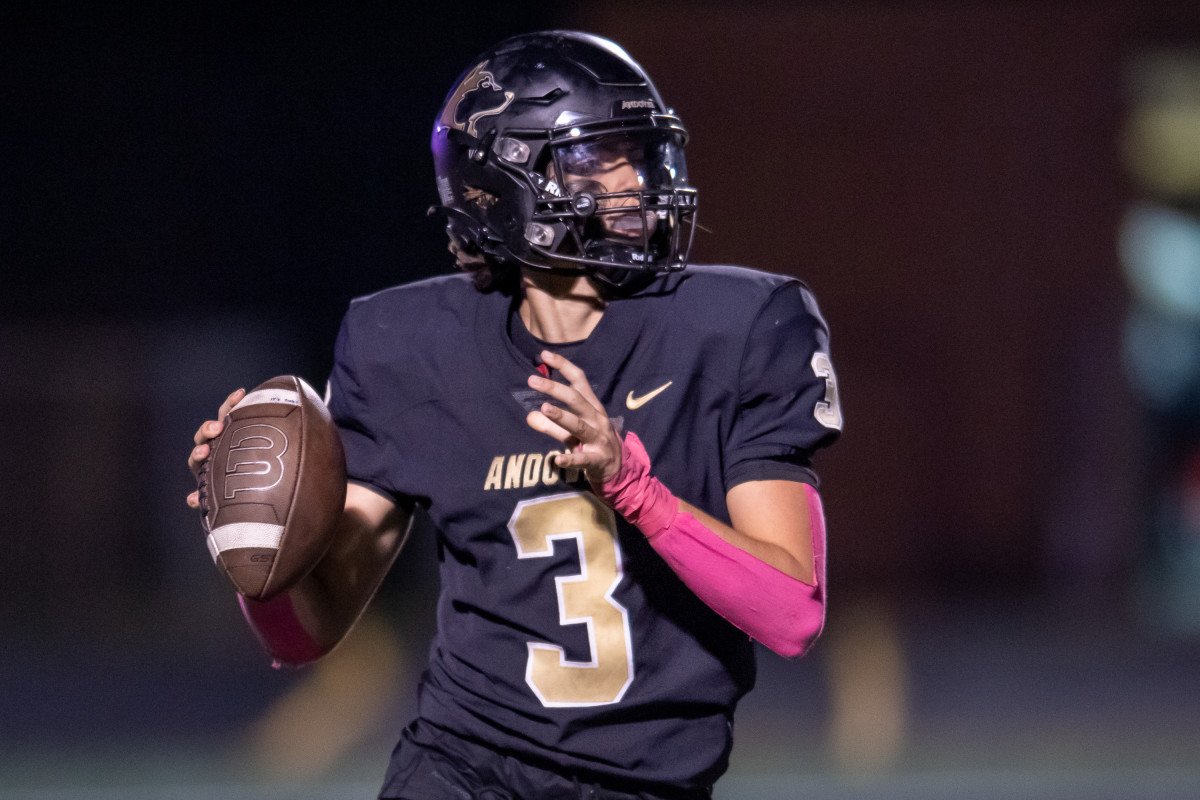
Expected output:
(562, 636)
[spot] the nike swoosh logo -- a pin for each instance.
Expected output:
(634, 403)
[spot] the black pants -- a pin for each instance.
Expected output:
(432, 764)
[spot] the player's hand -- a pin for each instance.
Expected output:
(208, 431)
(583, 426)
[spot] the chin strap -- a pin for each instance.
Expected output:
(783, 613)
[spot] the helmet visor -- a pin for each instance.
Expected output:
(622, 162)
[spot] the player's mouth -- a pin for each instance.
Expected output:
(630, 225)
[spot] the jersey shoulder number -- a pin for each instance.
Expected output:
(828, 411)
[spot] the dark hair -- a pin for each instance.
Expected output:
(495, 277)
(489, 273)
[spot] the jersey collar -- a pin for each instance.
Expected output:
(601, 355)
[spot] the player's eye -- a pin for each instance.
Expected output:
(583, 165)
(577, 185)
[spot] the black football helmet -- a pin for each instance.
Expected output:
(555, 151)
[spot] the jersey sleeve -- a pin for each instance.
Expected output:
(787, 392)
(349, 405)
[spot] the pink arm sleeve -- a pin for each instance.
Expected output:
(280, 631)
(783, 613)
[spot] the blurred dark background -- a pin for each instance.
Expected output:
(995, 202)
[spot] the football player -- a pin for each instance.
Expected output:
(615, 447)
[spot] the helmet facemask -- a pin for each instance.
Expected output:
(616, 201)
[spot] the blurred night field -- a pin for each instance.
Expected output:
(996, 203)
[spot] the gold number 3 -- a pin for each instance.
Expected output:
(585, 599)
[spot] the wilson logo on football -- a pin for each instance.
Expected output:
(255, 461)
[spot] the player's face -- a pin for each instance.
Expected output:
(619, 170)
(612, 173)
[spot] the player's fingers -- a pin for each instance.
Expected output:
(580, 428)
(193, 500)
(213, 427)
(542, 424)
(209, 430)
(234, 398)
(198, 454)
(575, 376)
(577, 459)
(565, 394)
(561, 425)
(563, 459)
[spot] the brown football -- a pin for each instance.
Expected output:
(273, 487)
